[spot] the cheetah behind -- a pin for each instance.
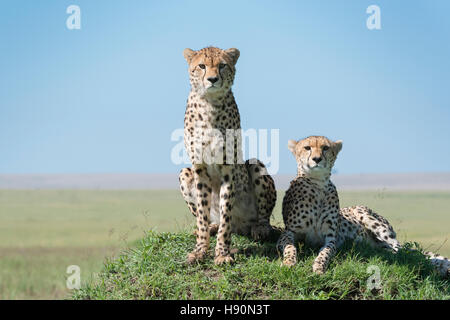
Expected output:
(311, 211)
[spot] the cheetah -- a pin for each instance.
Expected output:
(225, 194)
(312, 214)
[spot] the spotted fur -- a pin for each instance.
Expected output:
(225, 196)
(312, 214)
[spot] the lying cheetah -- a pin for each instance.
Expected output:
(224, 195)
(311, 210)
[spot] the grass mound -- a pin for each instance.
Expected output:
(156, 269)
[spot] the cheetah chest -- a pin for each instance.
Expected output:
(313, 221)
(209, 133)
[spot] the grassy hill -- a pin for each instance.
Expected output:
(156, 269)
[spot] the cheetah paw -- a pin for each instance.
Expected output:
(219, 260)
(288, 263)
(196, 256)
(318, 269)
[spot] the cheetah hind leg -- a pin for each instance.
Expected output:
(189, 193)
(264, 190)
(380, 232)
(367, 225)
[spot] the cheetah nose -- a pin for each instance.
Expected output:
(213, 79)
(317, 159)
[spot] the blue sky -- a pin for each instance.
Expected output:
(106, 98)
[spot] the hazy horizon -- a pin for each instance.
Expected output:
(143, 181)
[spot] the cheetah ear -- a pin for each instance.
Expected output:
(291, 145)
(338, 146)
(188, 54)
(234, 54)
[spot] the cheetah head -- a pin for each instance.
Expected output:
(315, 155)
(211, 70)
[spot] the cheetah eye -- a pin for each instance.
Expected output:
(201, 66)
(307, 148)
(222, 65)
(325, 148)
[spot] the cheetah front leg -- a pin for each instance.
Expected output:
(226, 202)
(329, 228)
(326, 253)
(189, 193)
(187, 188)
(286, 246)
(203, 200)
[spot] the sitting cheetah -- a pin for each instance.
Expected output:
(311, 210)
(224, 193)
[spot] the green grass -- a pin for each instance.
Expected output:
(44, 231)
(156, 269)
